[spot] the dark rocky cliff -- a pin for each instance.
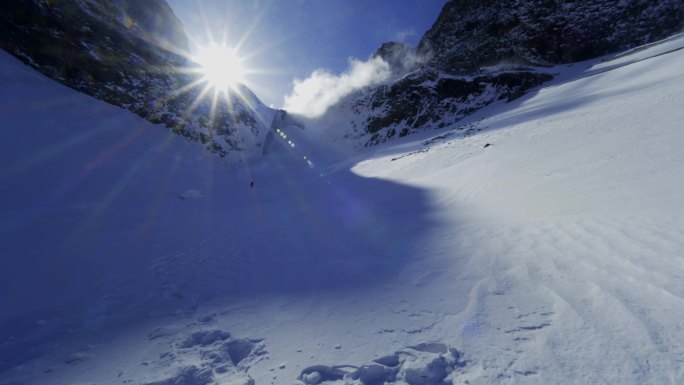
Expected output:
(469, 34)
(128, 53)
(478, 52)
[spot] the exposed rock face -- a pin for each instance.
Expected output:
(128, 53)
(154, 18)
(432, 100)
(426, 99)
(450, 74)
(469, 34)
(400, 57)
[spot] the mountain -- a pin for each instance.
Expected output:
(131, 54)
(480, 52)
(537, 241)
(542, 245)
(471, 34)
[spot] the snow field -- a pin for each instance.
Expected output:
(554, 255)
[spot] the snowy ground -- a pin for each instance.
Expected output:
(553, 255)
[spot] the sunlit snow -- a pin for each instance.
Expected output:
(543, 247)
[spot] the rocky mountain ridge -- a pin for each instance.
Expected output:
(132, 54)
(470, 34)
(478, 52)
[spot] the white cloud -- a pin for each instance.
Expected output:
(314, 95)
(401, 36)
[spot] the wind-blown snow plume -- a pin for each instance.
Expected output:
(312, 96)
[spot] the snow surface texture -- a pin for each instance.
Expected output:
(538, 242)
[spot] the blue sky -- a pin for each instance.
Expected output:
(289, 39)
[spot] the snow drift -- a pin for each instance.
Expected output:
(539, 242)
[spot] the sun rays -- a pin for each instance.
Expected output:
(220, 73)
(208, 95)
(216, 76)
(212, 75)
(220, 66)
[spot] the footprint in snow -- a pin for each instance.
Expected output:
(222, 359)
(430, 363)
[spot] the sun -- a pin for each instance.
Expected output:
(220, 66)
(221, 72)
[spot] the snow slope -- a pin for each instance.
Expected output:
(553, 255)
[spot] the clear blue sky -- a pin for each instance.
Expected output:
(288, 39)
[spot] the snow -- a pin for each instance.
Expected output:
(553, 255)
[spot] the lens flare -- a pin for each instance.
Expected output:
(220, 66)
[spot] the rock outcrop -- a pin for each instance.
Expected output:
(131, 54)
(470, 34)
(478, 52)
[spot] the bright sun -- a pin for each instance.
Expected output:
(220, 66)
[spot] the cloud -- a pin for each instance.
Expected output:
(401, 36)
(314, 95)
